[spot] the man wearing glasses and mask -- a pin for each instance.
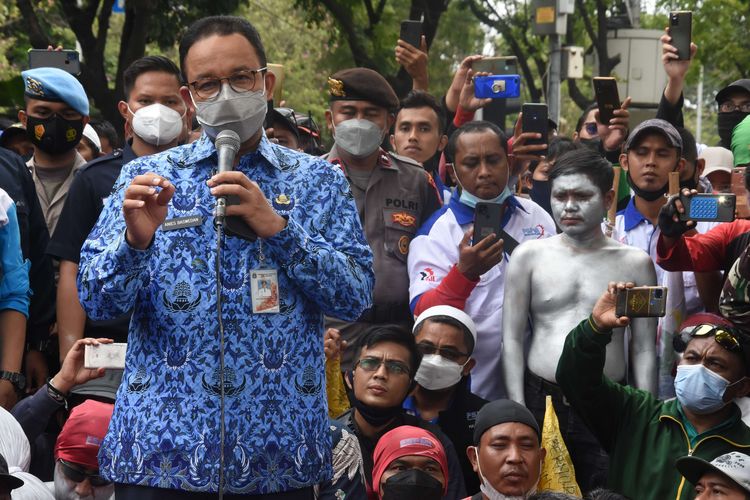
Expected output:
(386, 364)
(236, 405)
(446, 337)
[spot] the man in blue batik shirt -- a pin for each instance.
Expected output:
(164, 439)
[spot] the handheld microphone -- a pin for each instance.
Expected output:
(227, 145)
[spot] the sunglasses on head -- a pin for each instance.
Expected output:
(76, 474)
(724, 336)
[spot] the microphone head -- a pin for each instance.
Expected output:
(228, 138)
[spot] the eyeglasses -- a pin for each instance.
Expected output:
(78, 475)
(446, 352)
(725, 337)
(729, 106)
(392, 367)
(591, 128)
(241, 81)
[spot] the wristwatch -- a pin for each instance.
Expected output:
(17, 379)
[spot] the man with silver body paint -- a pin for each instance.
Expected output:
(578, 263)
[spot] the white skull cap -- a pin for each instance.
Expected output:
(451, 312)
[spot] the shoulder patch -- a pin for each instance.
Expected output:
(405, 159)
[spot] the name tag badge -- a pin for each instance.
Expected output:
(182, 222)
(264, 288)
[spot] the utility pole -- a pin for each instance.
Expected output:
(554, 79)
(699, 108)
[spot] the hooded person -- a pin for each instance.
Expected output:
(734, 106)
(409, 462)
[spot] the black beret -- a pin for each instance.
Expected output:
(362, 84)
(500, 412)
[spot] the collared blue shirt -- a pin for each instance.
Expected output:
(165, 428)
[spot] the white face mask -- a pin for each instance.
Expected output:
(241, 112)
(358, 137)
(157, 124)
(492, 494)
(436, 373)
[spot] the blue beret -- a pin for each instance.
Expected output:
(53, 84)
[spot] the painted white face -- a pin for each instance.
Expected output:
(577, 204)
(66, 489)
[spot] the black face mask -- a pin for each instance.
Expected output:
(541, 191)
(411, 484)
(647, 195)
(594, 143)
(54, 135)
(726, 123)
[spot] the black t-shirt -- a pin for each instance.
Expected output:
(91, 186)
(16, 180)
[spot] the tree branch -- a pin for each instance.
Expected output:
(37, 34)
(344, 21)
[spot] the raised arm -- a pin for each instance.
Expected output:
(515, 318)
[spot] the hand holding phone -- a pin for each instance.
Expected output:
(497, 86)
(680, 29)
(411, 32)
(607, 98)
(535, 119)
(708, 207)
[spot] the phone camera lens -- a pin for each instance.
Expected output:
(657, 293)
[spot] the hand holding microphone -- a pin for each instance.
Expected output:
(252, 206)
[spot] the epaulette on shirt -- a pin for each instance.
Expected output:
(405, 159)
(114, 155)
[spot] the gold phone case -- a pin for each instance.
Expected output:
(642, 302)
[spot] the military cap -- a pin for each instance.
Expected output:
(362, 84)
(53, 84)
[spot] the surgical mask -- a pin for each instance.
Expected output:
(726, 123)
(157, 124)
(492, 494)
(358, 137)
(54, 135)
(241, 112)
(410, 484)
(471, 200)
(699, 389)
(436, 373)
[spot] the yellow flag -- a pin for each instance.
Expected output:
(558, 473)
(338, 403)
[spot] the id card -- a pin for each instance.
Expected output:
(264, 287)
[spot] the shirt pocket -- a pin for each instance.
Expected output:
(400, 228)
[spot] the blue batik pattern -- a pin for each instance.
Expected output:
(165, 428)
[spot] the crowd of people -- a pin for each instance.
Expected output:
(326, 322)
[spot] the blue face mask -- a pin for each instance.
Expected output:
(470, 200)
(699, 389)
